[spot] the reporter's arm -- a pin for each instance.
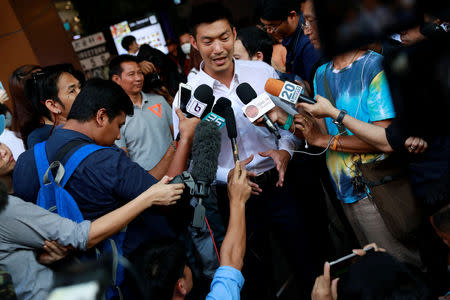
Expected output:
(161, 193)
(233, 246)
(372, 134)
(228, 280)
(186, 129)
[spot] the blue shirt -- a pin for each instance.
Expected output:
(226, 285)
(362, 90)
(102, 182)
(301, 55)
(39, 135)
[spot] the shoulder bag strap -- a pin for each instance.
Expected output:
(76, 158)
(341, 128)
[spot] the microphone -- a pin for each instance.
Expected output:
(287, 91)
(204, 94)
(200, 105)
(205, 156)
(223, 108)
(221, 104)
(246, 93)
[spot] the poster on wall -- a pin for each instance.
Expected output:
(146, 31)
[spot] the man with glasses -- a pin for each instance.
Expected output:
(283, 20)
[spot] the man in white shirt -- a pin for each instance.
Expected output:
(266, 157)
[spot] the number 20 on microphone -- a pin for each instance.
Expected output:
(290, 92)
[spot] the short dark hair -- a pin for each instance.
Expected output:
(115, 65)
(43, 85)
(208, 13)
(127, 41)
(378, 275)
(254, 39)
(160, 264)
(98, 94)
(273, 10)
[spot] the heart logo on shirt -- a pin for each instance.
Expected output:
(156, 109)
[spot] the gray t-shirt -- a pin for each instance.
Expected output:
(23, 228)
(146, 134)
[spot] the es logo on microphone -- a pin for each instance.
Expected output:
(258, 107)
(195, 107)
(218, 120)
(291, 92)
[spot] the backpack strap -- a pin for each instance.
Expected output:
(76, 158)
(40, 157)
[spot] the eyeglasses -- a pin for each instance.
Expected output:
(272, 28)
(307, 25)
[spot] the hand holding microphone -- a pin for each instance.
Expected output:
(323, 108)
(246, 93)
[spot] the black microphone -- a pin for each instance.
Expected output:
(246, 93)
(220, 106)
(223, 108)
(204, 93)
(205, 156)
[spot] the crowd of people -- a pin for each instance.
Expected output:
(87, 168)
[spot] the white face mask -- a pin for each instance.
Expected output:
(186, 48)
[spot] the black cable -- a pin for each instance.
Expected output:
(31, 22)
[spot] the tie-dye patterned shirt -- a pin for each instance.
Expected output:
(362, 90)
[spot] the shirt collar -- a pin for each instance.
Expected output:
(72, 134)
(211, 82)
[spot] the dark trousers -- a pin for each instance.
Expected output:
(295, 217)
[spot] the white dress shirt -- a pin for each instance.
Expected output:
(251, 139)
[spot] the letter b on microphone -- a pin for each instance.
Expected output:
(195, 107)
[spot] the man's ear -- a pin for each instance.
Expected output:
(116, 78)
(101, 118)
(234, 33)
(258, 56)
(180, 288)
(193, 41)
(53, 106)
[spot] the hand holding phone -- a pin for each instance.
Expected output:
(342, 265)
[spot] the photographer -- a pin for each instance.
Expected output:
(164, 79)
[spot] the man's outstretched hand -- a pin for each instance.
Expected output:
(255, 188)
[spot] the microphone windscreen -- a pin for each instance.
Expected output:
(274, 86)
(230, 122)
(205, 152)
(204, 94)
(245, 92)
(221, 104)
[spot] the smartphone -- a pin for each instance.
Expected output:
(184, 95)
(342, 265)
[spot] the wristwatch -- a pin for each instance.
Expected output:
(340, 117)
